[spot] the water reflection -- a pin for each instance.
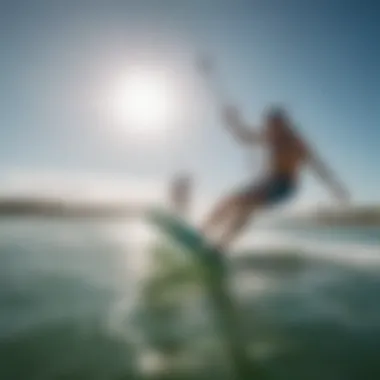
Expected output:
(76, 304)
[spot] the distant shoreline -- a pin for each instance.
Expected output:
(42, 207)
(60, 208)
(353, 216)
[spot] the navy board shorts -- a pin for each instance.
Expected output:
(270, 190)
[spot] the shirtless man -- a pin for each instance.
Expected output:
(288, 154)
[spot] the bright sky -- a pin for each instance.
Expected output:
(64, 62)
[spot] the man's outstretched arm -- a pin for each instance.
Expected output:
(328, 177)
(240, 131)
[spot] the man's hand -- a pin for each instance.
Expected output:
(240, 131)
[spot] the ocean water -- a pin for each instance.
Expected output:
(89, 300)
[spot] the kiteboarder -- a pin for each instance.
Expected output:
(288, 154)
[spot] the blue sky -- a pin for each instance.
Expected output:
(320, 58)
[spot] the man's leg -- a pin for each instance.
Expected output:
(248, 201)
(237, 223)
(257, 196)
(225, 209)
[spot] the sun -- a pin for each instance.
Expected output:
(144, 100)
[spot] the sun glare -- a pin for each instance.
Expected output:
(144, 101)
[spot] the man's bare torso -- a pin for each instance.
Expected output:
(287, 153)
